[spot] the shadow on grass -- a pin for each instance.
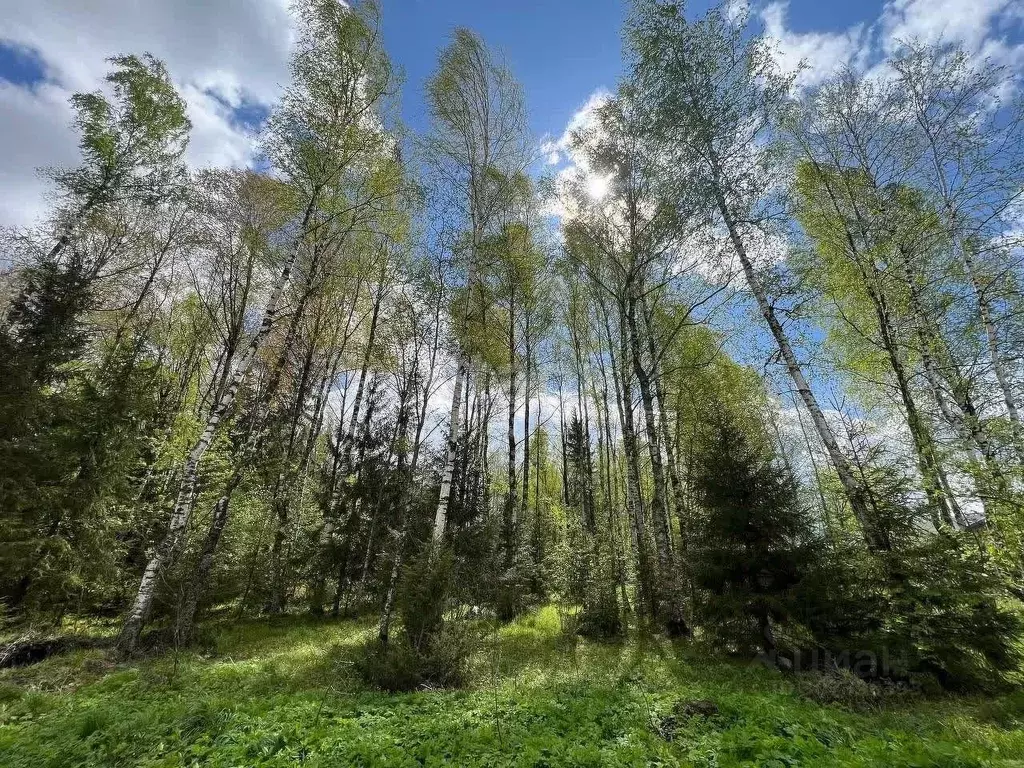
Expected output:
(278, 692)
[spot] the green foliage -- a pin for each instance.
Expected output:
(42, 336)
(321, 136)
(73, 438)
(935, 611)
(132, 147)
(512, 595)
(601, 617)
(754, 544)
(402, 666)
(953, 614)
(423, 596)
(282, 693)
(425, 650)
(119, 347)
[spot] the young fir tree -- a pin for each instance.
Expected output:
(754, 544)
(42, 335)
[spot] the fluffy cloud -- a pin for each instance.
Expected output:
(219, 44)
(225, 56)
(35, 130)
(969, 23)
(555, 150)
(736, 10)
(821, 53)
(559, 152)
(987, 27)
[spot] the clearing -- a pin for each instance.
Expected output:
(277, 693)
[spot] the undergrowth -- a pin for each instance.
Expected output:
(286, 692)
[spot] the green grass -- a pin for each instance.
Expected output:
(283, 693)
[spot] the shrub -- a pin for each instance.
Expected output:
(948, 616)
(600, 617)
(932, 612)
(401, 666)
(512, 594)
(423, 595)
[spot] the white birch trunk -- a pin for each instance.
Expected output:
(455, 428)
(167, 548)
(441, 516)
(854, 491)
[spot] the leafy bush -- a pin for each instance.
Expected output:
(512, 594)
(401, 666)
(426, 650)
(947, 616)
(600, 617)
(423, 596)
(933, 612)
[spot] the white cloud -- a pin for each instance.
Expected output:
(215, 141)
(209, 43)
(555, 150)
(969, 23)
(736, 10)
(34, 127)
(583, 118)
(222, 54)
(822, 53)
(560, 149)
(980, 26)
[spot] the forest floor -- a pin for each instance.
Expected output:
(276, 693)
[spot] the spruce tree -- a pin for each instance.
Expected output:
(754, 544)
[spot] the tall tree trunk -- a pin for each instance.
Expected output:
(526, 424)
(932, 474)
(612, 484)
(166, 550)
(561, 437)
(185, 626)
(352, 524)
(992, 341)
(508, 517)
(281, 499)
(678, 492)
(634, 496)
(980, 291)
(587, 477)
(928, 464)
(485, 444)
(451, 451)
(875, 538)
(341, 485)
(659, 500)
(404, 503)
(462, 372)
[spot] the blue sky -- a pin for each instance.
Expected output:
(229, 57)
(561, 50)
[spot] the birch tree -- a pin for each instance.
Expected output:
(715, 96)
(321, 138)
(476, 145)
(132, 146)
(969, 138)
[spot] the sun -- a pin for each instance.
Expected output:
(598, 186)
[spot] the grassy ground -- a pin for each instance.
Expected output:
(276, 694)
